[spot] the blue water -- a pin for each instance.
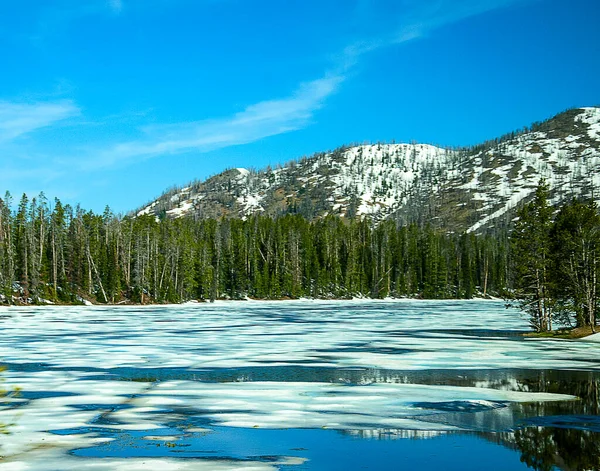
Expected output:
(323, 449)
(413, 385)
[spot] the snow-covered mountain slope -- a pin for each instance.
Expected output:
(460, 189)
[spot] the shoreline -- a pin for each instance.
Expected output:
(559, 334)
(564, 334)
(247, 300)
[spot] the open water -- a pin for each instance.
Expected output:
(303, 385)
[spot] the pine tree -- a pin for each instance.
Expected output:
(7, 258)
(60, 253)
(530, 243)
(576, 254)
(22, 245)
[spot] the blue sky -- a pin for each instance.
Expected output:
(112, 101)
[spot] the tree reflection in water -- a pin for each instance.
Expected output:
(564, 435)
(561, 435)
(543, 448)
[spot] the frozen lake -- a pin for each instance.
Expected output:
(304, 385)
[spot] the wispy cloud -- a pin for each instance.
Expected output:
(257, 121)
(442, 12)
(273, 117)
(19, 119)
(418, 21)
(115, 5)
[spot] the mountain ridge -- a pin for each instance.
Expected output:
(459, 189)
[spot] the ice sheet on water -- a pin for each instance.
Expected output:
(326, 405)
(591, 338)
(239, 334)
(41, 460)
(59, 423)
(68, 361)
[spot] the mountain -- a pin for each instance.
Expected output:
(471, 189)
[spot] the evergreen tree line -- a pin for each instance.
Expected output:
(65, 254)
(556, 262)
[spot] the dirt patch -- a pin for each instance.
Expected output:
(575, 333)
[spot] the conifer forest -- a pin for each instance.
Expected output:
(51, 252)
(549, 262)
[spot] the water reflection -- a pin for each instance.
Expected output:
(548, 435)
(236, 381)
(543, 448)
(565, 434)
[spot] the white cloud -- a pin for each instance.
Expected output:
(272, 117)
(418, 21)
(18, 119)
(257, 121)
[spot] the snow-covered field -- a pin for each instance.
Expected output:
(90, 374)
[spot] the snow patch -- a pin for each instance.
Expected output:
(181, 210)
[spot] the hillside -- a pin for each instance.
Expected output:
(458, 189)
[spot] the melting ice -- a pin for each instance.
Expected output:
(88, 374)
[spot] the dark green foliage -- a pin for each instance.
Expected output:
(576, 254)
(63, 255)
(530, 244)
(556, 262)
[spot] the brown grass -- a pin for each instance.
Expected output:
(575, 333)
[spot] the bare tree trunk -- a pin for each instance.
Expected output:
(91, 261)
(54, 265)
(486, 270)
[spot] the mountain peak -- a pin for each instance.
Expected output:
(459, 189)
